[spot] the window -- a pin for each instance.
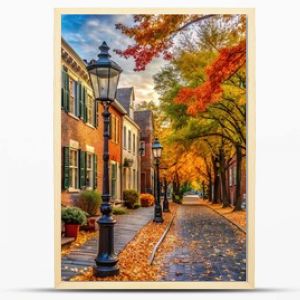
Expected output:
(134, 145)
(114, 180)
(124, 137)
(89, 170)
(143, 145)
(72, 97)
(90, 110)
(129, 140)
(73, 169)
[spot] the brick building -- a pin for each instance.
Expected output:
(82, 132)
(144, 119)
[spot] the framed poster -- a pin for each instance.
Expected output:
(154, 115)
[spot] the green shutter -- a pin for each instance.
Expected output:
(84, 96)
(66, 168)
(80, 99)
(95, 177)
(77, 99)
(65, 90)
(82, 169)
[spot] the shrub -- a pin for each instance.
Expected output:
(177, 199)
(119, 210)
(89, 201)
(146, 200)
(73, 215)
(131, 197)
(136, 205)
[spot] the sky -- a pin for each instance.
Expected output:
(85, 33)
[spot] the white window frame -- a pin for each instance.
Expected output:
(90, 170)
(74, 170)
(90, 110)
(72, 96)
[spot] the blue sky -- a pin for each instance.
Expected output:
(86, 32)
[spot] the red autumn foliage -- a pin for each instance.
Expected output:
(153, 36)
(229, 61)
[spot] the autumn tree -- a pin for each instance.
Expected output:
(203, 88)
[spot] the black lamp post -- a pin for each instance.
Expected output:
(166, 202)
(157, 150)
(104, 76)
(203, 189)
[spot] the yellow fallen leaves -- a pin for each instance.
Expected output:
(133, 260)
(237, 217)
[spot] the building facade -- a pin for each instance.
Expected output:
(82, 133)
(131, 133)
(144, 119)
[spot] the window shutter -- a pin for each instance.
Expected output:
(62, 88)
(66, 168)
(65, 90)
(95, 177)
(96, 113)
(77, 99)
(84, 97)
(79, 87)
(82, 169)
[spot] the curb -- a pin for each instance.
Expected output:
(236, 225)
(152, 256)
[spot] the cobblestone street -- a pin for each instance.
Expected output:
(212, 248)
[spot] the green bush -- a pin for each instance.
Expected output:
(177, 199)
(131, 197)
(119, 210)
(89, 201)
(136, 205)
(73, 215)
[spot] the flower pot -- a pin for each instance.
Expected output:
(92, 223)
(71, 230)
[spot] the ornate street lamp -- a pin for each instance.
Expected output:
(157, 151)
(104, 76)
(141, 149)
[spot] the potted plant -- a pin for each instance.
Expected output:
(73, 217)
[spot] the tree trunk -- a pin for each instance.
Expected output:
(225, 200)
(216, 183)
(238, 196)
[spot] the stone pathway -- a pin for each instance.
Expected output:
(78, 260)
(212, 248)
